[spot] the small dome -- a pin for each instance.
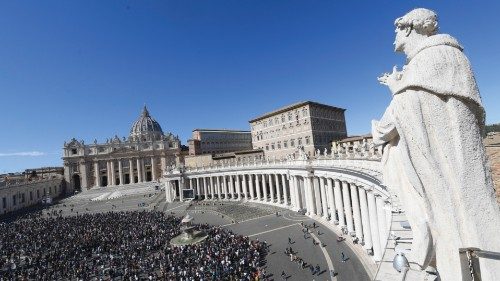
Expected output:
(146, 126)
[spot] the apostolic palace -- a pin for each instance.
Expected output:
(139, 158)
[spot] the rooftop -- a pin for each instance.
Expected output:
(293, 106)
(220, 130)
(356, 138)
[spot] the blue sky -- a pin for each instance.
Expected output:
(84, 69)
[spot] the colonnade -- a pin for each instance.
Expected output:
(122, 171)
(358, 209)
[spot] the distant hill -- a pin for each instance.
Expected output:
(493, 128)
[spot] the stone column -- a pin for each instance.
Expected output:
(205, 191)
(356, 211)
(285, 191)
(278, 187)
(381, 221)
(219, 187)
(139, 170)
(163, 162)
(97, 174)
(143, 170)
(198, 187)
(309, 194)
(168, 191)
(264, 187)
(257, 184)
(120, 171)
(131, 171)
(293, 193)
(339, 202)
(324, 199)
(113, 172)
(296, 189)
(245, 189)
(83, 177)
(153, 169)
(231, 187)
(108, 173)
(347, 206)
(272, 186)
(331, 200)
(225, 186)
(238, 187)
(251, 189)
(181, 182)
(317, 196)
(372, 211)
(212, 191)
(365, 218)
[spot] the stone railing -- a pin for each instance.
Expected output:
(349, 159)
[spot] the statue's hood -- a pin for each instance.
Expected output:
(435, 40)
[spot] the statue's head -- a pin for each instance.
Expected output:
(415, 25)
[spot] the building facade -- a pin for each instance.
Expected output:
(22, 193)
(308, 124)
(213, 141)
(141, 157)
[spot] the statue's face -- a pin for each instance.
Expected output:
(400, 40)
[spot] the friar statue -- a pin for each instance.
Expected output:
(434, 157)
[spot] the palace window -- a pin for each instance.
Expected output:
(285, 144)
(267, 146)
(292, 142)
(283, 118)
(272, 146)
(74, 151)
(299, 141)
(279, 145)
(307, 140)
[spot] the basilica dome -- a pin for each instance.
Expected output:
(146, 127)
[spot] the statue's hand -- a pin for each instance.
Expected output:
(390, 79)
(383, 78)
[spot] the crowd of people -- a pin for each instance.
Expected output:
(130, 245)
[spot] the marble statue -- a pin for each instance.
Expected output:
(302, 153)
(434, 156)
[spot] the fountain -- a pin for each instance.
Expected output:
(189, 235)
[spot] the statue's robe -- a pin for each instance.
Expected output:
(436, 158)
